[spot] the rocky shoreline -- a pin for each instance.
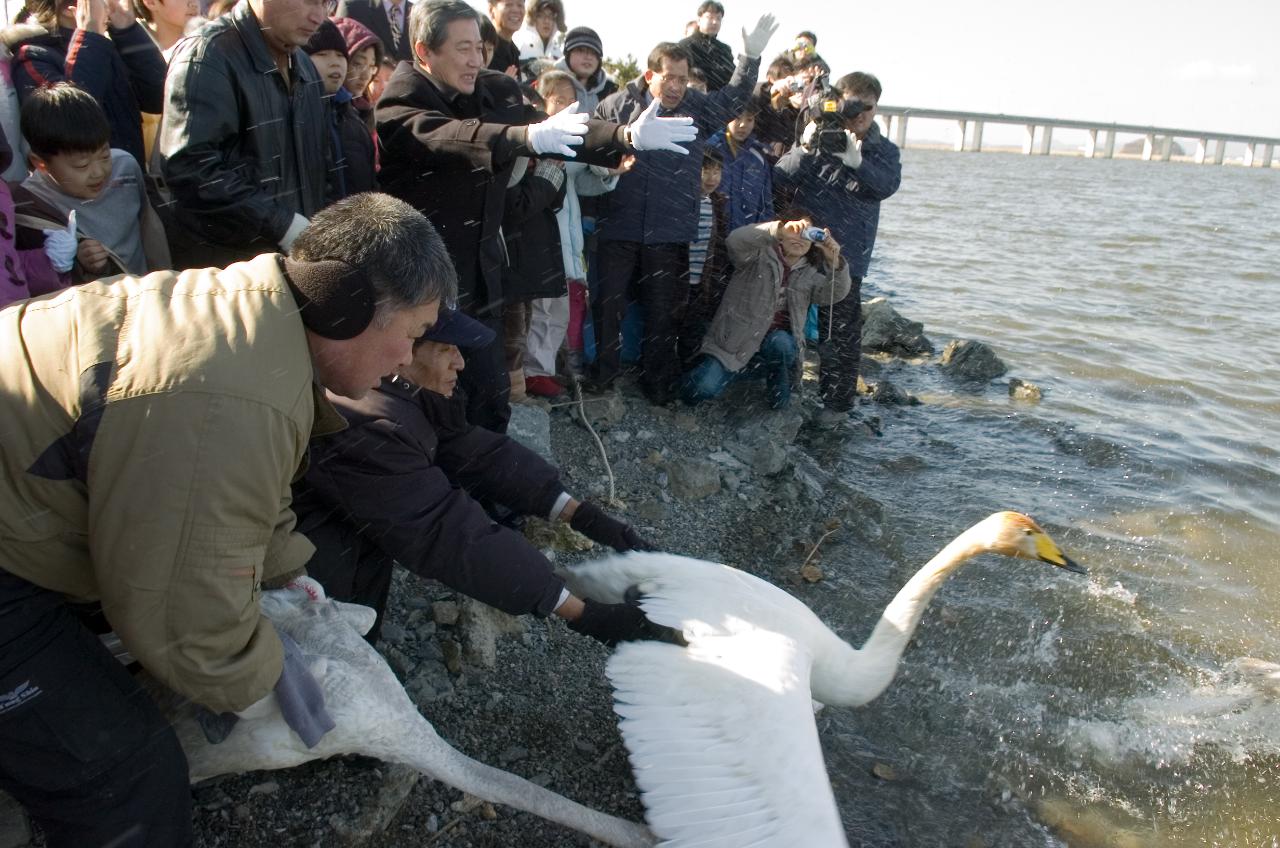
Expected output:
(729, 481)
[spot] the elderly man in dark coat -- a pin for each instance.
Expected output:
(451, 132)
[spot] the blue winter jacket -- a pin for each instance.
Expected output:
(656, 202)
(847, 201)
(124, 73)
(747, 181)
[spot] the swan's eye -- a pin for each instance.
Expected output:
(1027, 531)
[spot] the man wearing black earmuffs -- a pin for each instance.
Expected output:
(152, 428)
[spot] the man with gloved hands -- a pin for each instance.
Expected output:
(846, 188)
(403, 484)
(650, 219)
(451, 132)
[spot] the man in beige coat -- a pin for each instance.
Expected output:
(151, 429)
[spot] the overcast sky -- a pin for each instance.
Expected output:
(1189, 64)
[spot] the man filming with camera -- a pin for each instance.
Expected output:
(844, 167)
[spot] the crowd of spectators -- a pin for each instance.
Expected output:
(431, 212)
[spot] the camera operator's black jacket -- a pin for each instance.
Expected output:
(845, 200)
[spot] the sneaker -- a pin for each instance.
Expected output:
(542, 386)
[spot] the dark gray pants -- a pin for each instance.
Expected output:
(82, 747)
(840, 345)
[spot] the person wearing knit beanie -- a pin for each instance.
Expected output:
(583, 37)
(328, 51)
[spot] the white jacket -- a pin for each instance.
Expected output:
(585, 180)
(529, 43)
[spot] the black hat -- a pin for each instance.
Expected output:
(583, 37)
(457, 328)
(327, 37)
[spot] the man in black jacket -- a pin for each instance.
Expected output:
(243, 137)
(451, 132)
(399, 485)
(710, 55)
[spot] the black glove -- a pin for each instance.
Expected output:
(594, 523)
(614, 623)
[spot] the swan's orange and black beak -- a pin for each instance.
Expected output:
(1048, 551)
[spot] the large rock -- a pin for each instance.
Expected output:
(761, 439)
(531, 427)
(693, 479)
(480, 626)
(603, 411)
(375, 817)
(971, 360)
(885, 331)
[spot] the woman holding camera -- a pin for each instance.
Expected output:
(780, 268)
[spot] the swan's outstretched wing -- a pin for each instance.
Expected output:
(723, 742)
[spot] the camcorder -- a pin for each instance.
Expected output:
(830, 112)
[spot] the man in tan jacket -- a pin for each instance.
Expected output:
(151, 428)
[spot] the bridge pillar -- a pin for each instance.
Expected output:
(1046, 140)
(1219, 151)
(1110, 149)
(1091, 144)
(1028, 143)
(900, 131)
(1148, 147)
(1166, 148)
(1202, 150)
(1267, 152)
(961, 126)
(976, 144)
(1250, 153)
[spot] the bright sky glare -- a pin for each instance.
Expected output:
(1176, 63)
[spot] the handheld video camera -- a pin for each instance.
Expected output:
(830, 112)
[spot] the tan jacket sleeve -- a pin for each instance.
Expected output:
(185, 492)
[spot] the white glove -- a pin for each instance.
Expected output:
(649, 132)
(559, 133)
(60, 246)
(754, 42)
(806, 138)
(852, 156)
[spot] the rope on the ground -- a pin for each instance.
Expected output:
(586, 422)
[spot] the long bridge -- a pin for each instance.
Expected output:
(1259, 151)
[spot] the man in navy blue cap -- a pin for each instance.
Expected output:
(402, 484)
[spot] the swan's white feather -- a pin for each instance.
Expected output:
(708, 776)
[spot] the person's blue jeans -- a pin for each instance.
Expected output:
(774, 362)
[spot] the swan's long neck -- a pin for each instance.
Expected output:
(852, 677)
(437, 759)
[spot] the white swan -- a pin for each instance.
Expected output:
(721, 733)
(373, 717)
